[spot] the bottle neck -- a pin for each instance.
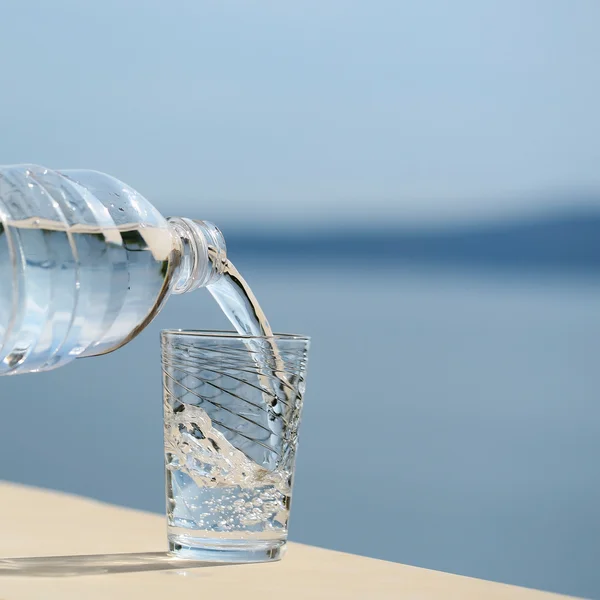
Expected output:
(202, 251)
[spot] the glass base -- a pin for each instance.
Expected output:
(226, 551)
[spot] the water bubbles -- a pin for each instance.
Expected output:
(270, 507)
(249, 519)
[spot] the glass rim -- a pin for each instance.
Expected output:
(230, 334)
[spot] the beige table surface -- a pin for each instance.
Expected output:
(111, 552)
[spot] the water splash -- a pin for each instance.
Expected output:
(208, 457)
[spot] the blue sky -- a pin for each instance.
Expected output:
(310, 110)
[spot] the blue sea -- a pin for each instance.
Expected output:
(451, 417)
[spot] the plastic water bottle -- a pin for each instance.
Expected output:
(86, 262)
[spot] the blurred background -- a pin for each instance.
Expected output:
(414, 184)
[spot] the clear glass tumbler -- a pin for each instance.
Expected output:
(232, 407)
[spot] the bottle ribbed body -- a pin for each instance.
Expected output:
(85, 261)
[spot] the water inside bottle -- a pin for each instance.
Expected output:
(81, 288)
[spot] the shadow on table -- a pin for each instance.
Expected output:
(97, 564)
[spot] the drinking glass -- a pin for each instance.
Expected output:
(232, 408)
